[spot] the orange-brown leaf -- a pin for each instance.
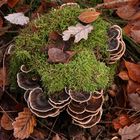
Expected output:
(133, 71)
(88, 16)
(2, 2)
(12, 3)
(126, 12)
(24, 124)
(1, 22)
(132, 87)
(123, 75)
(6, 122)
(3, 77)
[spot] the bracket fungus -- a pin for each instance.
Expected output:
(86, 75)
(116, 44)
(83, 113)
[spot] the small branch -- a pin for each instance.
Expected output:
(104, 5)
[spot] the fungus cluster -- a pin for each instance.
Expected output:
(84, 108)
(76, 85)
(116, 44)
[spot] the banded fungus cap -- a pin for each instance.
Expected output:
(94, 104)
(115, 32)
(59, 98)
(38, 100)
(114, 44)
(95, 119)
(80, 96)
(25, 69)
(77, 107)
(39, 105)
(26, 82)
(81, 116)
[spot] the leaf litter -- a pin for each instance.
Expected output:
(130, 78)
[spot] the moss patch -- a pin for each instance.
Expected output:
(83, 72)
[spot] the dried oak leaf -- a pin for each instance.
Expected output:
(123, 75)
(24, 124)
(6, 122)
(12, 3)
(133, 71)
(88, 16)
(132, 87)
(79, 32)
(134, 101)
(130, 132)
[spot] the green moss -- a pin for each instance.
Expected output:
(83, 72)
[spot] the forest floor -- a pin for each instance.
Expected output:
(121, 110)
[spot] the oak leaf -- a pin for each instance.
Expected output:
(134, 101)
(24, 124)
(130, 132)
(6, 122)
(17, 18)
(79, 32)
(88, 16)
(133, 71)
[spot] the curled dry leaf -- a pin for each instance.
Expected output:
(6, 122)
(17, 18)
(133, 71)
(88, 16)
(12, 3)
(79, 32)
(123, 75)
(24, 124)
(130, 132)
(134, 101)
(132, 87)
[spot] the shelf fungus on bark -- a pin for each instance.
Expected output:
(86, 113)
(116, 44)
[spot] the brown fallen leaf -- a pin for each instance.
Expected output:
(126, 12)
(39, 134)
(6, 122)
(134, 101)
(132, 87)
(56, 137)
(135, 34)
(123, 75)
(12, 3)
(133, 71)
(130, 132)
(88, 16)
(1, 22)
(2, 2)
(3, 77)
(24, 124)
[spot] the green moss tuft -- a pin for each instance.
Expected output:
(83, 72)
